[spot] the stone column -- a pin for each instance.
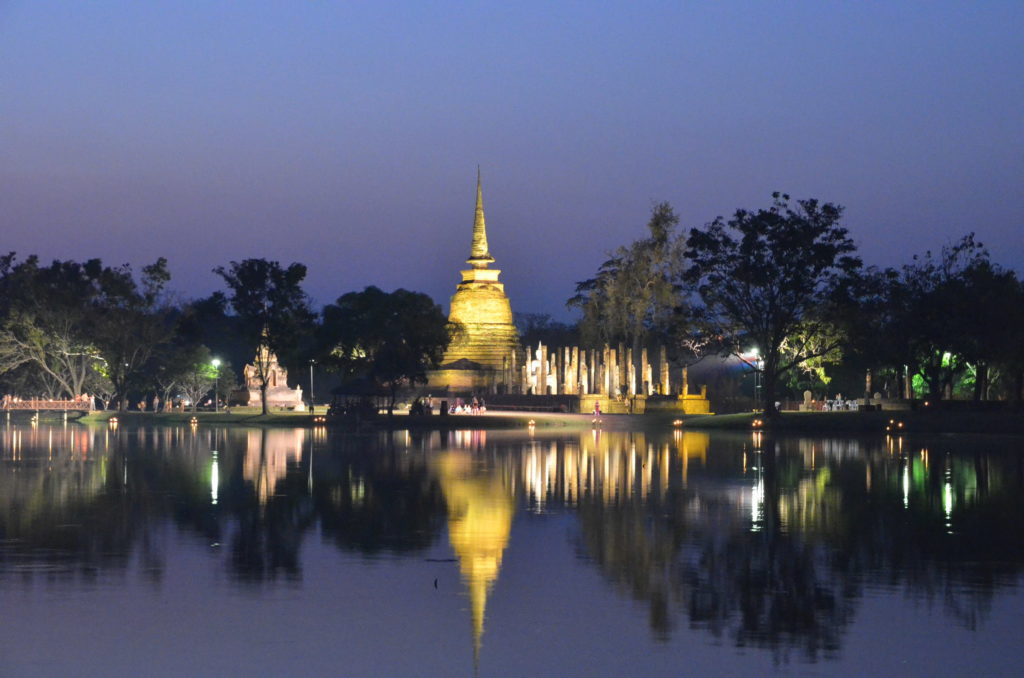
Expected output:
(592, 371)
(584, 374)
(563, 370)
(663, 366)
(615, 373)
(542, 370)
(524, 370)
(645, 373)
(621, 372)
(605, 368)
(630, 373)
(574, 370)
(686, 383)
(571, 371)
(648, 380)
(560, 368)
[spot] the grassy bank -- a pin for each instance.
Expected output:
(252, 417)
(871, 422)
(841, 423)
(242, 416)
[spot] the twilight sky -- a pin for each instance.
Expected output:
(346, 135)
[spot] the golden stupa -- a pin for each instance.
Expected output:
(481, 312)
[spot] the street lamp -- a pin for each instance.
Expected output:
(312, 407)
(216, 383)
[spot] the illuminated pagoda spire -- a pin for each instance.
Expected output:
(479, 256)
(477, 354)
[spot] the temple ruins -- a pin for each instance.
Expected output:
(279, 395)
(485, 356)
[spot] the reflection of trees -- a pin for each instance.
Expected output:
(766, 550)
(267, 511)
(766, 587)
(77, 500)
(376, 499)
(634, 552)
(91, 499)
(780, 561)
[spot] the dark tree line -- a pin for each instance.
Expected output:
(785, 280)
(71, 329)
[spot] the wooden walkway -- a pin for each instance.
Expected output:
(47, 405)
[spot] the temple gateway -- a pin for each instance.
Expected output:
(485, 356)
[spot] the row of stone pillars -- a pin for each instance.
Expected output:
(575, 371)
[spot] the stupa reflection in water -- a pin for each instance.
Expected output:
(480, 509)
(481, 492)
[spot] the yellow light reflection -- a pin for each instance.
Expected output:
(214, 479)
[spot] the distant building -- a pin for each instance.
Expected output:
(279, 395)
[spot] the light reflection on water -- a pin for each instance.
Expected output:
(735, 552)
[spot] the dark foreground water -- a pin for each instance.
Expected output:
(229, 551)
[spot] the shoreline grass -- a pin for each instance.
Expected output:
(841, 423)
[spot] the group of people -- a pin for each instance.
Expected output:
(475, 406)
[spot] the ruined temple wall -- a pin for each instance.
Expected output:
(609, 371)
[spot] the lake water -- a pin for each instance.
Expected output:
(184, 551)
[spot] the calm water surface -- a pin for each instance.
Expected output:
(231, 551)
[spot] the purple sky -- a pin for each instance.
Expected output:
(346, 135)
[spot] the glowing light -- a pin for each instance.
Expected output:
(677, 422)
(906, 485)
(214, 479)
(947, 503)
(947, 498)
(757, 505)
